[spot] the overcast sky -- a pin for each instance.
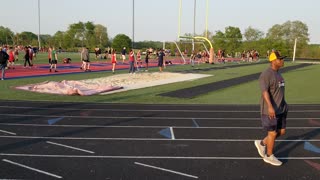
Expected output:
(158, 20)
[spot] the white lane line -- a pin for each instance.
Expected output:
(155, 157)
(154, 139)
(7, 132)
(195, 123)
(139, 117)
(124, 126)
(49, 142)
(172, 134)
(155, 110)
(33, 169)
(167, 170)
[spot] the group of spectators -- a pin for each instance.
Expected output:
(135, 59)
(250, 56)
(10, 55)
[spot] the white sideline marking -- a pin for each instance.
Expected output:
(49, 142)
(154, 110)
(7, 132)
(154, 139)
(139, 117)
(167, 170)
(172, 133)
(124, 126)
(155, 157)
(33, 169)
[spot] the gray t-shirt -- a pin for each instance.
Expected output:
(85, 55)
(273, 83)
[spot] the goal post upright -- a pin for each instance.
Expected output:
(211, 58)
(294, 50)
(179, 20)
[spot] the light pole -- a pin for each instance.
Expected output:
(39, 24)
(194, 22)
(132, 24)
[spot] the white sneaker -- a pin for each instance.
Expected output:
(261, 149)
(272, 160)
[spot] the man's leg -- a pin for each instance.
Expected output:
(270, 140)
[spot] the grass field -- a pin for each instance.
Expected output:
(302, 86)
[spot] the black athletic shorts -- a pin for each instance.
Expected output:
(54, 62)
(280, 122)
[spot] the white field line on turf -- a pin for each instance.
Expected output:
(139, 117)
(71, 147)
(153, 110)
(33, 169)
(124, 126)
(166, 170)
(7, 132)
(154, 139)
(155, 157)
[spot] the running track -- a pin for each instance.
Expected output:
(43, 69)
(48, 140)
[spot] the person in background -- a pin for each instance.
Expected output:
(193, 58)
(3, 62)
(160, 60)
(139, 62)
(11, 58)
(31, 55)
(16, 53)
(147, 60)
(54, 60)
(49, 55)
(85, 57)
(27, 57)
(123, 54)
(131, 61)
(114, 60)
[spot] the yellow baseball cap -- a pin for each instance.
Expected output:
(275, 55)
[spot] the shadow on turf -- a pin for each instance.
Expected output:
(286, 147)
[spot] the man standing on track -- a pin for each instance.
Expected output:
(273, 108)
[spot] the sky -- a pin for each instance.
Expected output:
(158, 20)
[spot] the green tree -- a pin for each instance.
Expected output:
(45, 38)
(28, 38)
(252, 34)
(6, 36)
(219, 40)
(284, 35)
(101, 35)
(58, 40)
(84, 34)
(254, 40)
(234, 38)
(120, 41)
(230, 40)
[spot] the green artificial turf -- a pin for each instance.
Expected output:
(302, 86)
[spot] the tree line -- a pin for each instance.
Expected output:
(279, 36)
